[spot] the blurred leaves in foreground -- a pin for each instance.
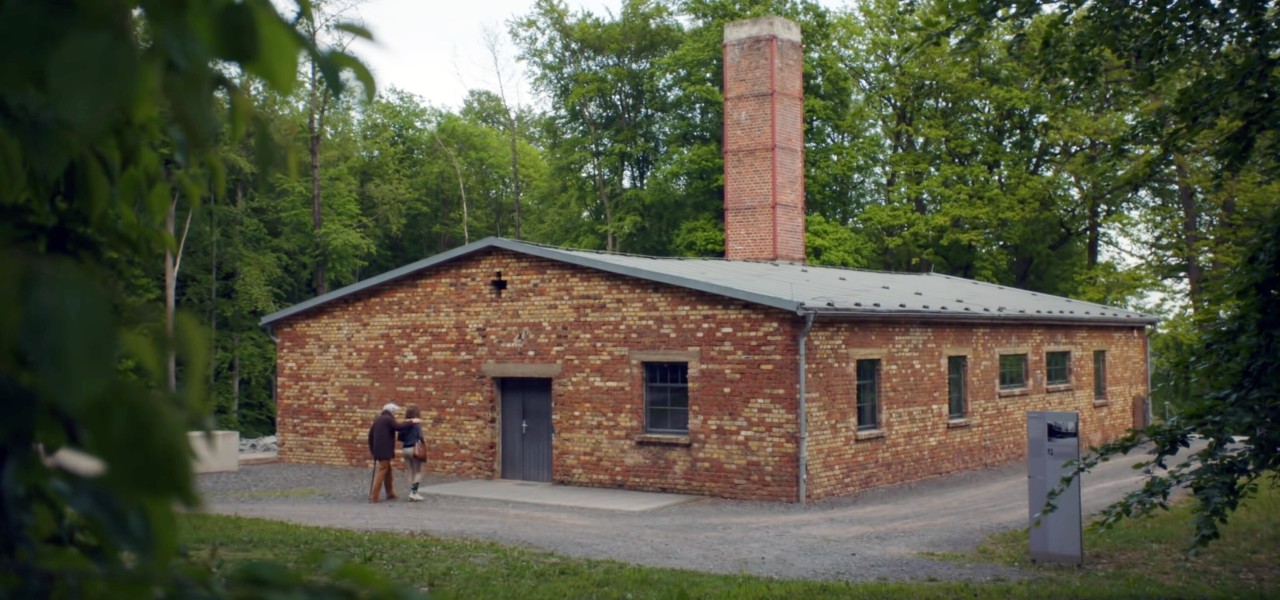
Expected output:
(110, 110)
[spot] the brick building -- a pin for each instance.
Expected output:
(753, 377)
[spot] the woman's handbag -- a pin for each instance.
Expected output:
(420, 451)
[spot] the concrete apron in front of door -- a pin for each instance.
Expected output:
(536, 492)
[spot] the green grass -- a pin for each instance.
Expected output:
(1143, 558)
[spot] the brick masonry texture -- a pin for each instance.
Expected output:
(764, 149)
(425, 339)
(916, 437)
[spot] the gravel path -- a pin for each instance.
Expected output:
(878, 535)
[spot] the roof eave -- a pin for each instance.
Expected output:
(917, 315)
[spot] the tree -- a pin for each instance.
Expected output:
(603, 84)
(1209, 74)
(105, 113)
(1236, 358)
(325, 23)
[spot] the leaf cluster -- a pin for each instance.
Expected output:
(109, 111)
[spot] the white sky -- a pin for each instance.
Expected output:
(436, 48)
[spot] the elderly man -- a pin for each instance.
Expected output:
(382, 445)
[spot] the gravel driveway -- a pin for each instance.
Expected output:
(877, 535)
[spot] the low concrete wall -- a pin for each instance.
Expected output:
(215, 451)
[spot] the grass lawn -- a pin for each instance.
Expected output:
(1143, 558)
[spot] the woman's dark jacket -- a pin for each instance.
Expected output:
(410, 437)
(382, 436)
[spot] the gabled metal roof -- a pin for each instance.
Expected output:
(826, 291)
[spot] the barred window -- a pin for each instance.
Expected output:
(868, 394)
(957, 370)
(1013, 371)
(666, 397)
(1099, 374)
(1057, 368)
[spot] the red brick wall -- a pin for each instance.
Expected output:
(426, 340)
(918, 440)
(764, 149)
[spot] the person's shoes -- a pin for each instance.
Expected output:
(392, 497)
(414, 497)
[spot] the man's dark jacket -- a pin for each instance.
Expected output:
(382, 436)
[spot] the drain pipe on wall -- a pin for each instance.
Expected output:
(802, 411)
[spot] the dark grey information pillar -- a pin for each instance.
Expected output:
(1053, 439)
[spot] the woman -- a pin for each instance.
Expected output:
(410, 438)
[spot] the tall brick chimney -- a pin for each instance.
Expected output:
(763, 141)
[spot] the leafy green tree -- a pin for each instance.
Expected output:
(107, 110)
(602, 82)
(1235, 361)
(1208, 132)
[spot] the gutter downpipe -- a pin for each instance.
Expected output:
(803, 470)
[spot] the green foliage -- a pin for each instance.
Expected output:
(1192, 128)
(833, 245)
(110, 113)
(1234, 360)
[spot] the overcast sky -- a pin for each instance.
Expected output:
(436, 49)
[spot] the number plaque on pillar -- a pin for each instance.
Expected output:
(1053, 440)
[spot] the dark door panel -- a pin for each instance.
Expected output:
(526, 429)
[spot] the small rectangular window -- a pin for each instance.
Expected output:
(1099, 375)
(1013, 371)
(957, 368)
(1057, 369)
(666, 397)
(868, 394)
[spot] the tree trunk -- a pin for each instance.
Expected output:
(462, 188)
(173, 262)
(1190, 229)
(515, 174)
(170, 291)
(602, 190)
(1094, 231)
(314, 123)
(235, 378)
(213, 293)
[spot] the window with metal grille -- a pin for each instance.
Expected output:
(1099, 374)
(957, 370)
(666, 397)
(1013, 371)
(868, 394)
(1057, 369)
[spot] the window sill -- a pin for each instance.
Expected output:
(1022, 391)
(1100, 403)
(869, 434)
(1058, 387)
(663, 439)
(955, 423)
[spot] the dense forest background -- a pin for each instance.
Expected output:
(1021, 151)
